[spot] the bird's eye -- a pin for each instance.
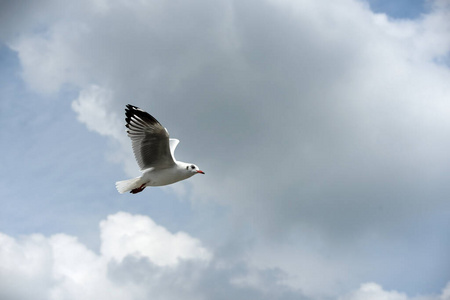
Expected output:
(192, 167)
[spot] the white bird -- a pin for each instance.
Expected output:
(154, 152)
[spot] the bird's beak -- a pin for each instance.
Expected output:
(200, 171)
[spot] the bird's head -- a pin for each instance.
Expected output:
(191, 168)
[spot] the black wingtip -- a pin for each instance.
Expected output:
(132, 110)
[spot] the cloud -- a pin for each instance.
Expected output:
(144, 238)
(446, 293)
(92, 109)
(369, 291)
(25, 267)
(321, 126)
(138, 260)
(132, 265)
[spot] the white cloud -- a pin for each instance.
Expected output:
(124, 234)
(25, 267)
(132, 265)
(138, 260)
(373, 291)
(93, 109)
(446, 293)
(78, 273)
(56, 53)
(60, 267)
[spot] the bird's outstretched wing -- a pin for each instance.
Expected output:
(150, 140)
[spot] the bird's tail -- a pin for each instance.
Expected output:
(128, 185)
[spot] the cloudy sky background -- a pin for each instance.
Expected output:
(323, 128)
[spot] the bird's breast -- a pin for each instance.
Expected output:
(159, 177)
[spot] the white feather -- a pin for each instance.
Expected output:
(128, 185)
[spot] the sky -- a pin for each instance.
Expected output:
(322, 126)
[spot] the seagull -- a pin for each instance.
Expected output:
(154, 153)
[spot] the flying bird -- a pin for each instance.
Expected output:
(154, 153)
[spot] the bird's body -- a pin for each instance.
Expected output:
(154, 152)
